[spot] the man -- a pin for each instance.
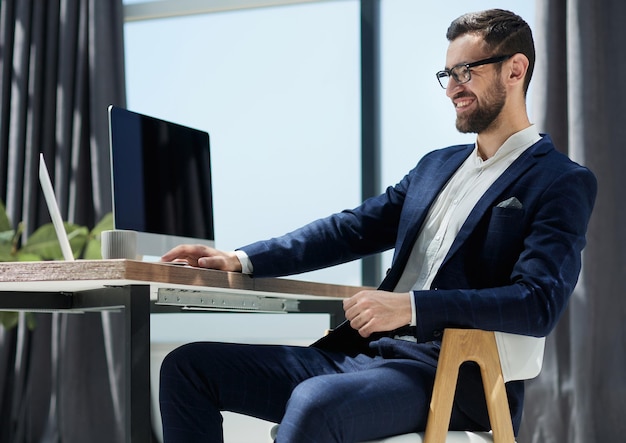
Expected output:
(486, 236)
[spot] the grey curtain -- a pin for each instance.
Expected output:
(61, 65)
(579, 97)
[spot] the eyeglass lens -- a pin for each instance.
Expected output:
(461, 74)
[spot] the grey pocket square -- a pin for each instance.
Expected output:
(512, 202)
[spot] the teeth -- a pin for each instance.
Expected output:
(463, 103)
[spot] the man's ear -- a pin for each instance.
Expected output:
(517, 67)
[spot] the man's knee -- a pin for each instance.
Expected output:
(175, 360)
(310, 394)
(316, 400)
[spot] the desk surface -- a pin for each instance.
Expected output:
(92, 274)
(112, 284)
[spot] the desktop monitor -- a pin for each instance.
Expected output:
(161, 182)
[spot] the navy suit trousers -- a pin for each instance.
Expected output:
(317, 396)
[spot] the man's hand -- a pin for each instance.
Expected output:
(204, 257)
(377, 311)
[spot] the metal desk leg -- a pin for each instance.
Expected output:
(332, 307)
(135, 300)
(138, 363)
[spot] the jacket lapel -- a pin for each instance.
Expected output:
(526, 161)
(418, 214)
(519, 167)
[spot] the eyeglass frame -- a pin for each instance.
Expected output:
(449, 72)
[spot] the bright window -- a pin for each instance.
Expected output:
(278, 90)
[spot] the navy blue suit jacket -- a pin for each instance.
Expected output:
(509, 269)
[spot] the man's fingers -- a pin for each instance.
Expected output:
(377, 311)
(204, 256)
(186, 252)
(222, 261)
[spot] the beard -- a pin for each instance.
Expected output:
(486, 113)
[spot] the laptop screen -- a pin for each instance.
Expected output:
(161, 178)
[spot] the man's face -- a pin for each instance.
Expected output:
(478, 103)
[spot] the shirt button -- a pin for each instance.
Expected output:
(436, 334)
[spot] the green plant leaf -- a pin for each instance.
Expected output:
(26, 256)
(44, 243)
(7, 236)
(5, 256)
(9, 319)
(105, 224)
(92, 248)
(5, 246)
(7, 249)
(31, 321)
(5, 223)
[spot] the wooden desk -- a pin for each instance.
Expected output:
(140, 288)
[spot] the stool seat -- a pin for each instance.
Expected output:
(418, 437)
(451, 437)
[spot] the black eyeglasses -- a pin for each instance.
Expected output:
(461, 73)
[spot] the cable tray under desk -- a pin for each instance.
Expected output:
(193, 299)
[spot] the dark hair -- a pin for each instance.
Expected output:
(504, 32)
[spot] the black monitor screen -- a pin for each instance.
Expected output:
(161, 174)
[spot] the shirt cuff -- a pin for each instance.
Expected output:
(246, 264)
(413, 311)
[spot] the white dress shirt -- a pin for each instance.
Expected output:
(452, 207)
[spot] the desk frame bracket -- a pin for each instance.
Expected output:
(193, 299)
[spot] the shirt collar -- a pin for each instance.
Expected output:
(513, 146)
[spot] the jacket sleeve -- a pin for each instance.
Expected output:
(372, 227)
(342, 237)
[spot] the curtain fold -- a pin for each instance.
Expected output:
(62, 64)
(580, 395)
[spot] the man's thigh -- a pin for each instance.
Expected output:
(255, 380)
(377, 398)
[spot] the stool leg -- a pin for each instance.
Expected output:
(495, 393)
(443, 395)
(459, 346)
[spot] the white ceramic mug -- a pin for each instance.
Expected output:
(119, 243)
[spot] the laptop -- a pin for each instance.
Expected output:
(53, 209)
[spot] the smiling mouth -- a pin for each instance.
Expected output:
(462, 103)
